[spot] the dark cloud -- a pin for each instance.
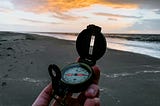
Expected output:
(147, 4)
(116, 15)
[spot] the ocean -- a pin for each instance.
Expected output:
(146, 44)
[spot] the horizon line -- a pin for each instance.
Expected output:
(109, 33)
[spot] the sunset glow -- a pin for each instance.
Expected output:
(73, 15)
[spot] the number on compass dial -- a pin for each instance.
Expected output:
(75, 75)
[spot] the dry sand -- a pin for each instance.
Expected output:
(127, 79)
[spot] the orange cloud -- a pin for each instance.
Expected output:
(114, 4)
(65, 5)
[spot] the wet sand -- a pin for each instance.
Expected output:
(127, 79)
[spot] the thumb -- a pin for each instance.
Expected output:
(92, 102)
(45, 96)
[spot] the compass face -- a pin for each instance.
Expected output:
(76, 75)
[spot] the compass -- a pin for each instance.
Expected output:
(76, 73)
(77, 76)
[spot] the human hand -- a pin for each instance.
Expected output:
(90, 97)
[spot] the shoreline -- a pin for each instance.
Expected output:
(123, 45)
(24, 60)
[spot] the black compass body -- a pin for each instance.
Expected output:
(77, 76)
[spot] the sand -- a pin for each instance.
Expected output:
(127, 79)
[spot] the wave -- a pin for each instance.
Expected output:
(137, 37)
(125, 74)
(150, 45)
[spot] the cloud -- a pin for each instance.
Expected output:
(112, 19)
(157, 11)
(60, 7)
(144, 25)
(30, 5)
(65, 16)
(4, 10)
(145, 4)
(5, 6)
(115, 15)
(41, 22)
(149, 4)
(40, 6)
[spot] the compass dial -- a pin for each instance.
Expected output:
(76, 75)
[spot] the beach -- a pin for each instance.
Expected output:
(127, 79)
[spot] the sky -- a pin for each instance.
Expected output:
(113, 16)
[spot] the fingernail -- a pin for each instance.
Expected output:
(92, 91)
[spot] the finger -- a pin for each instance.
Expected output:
(92, 91)
(96, 74)
(92, 102)
(45, 96)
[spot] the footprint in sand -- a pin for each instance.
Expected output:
(9, 48)
(9, 69)
(4, 84)
(10, 65)
(5, 76)
(8, 55)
